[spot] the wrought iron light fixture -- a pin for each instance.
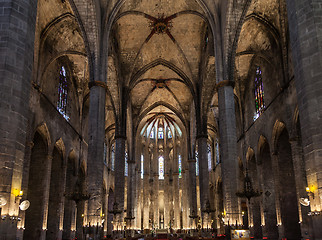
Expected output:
(248, 191)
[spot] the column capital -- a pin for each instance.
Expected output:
(225, 83)
(97, 83)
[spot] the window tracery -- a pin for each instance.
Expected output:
(62, 93)
(259, 93)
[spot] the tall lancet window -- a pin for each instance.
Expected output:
(169, 133)
(62, 93)
(142, 166)
(161, 167)
(209, 157)
(197, 163)
(160, 133)
(105, 153)
(259, 93)
(126, 171)
(180, 166)
(152, 133)
(217, 152)
(113, 157)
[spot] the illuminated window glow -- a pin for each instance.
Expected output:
(160, 133)
(152, 133)
(161, 167)
(142, 166)
(180, 166)
(126, 170)
(197, 163)
(209, 158)
(169, 133)
(259, 94)
(113, 157)
(217, 153)
(62, 93)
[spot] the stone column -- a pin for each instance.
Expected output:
(131, 191)
(138, 201)
(138, 185)
(95, 163)
(192, 192)
(18, 20)
(176, 199)
(80, 207)
(184, 199)
(156, 187)
(166, 188)
(228, 149)
(304, 19)
(277, 193)
(119, 178)
(300, 179)
(146, 192)
(203, 176)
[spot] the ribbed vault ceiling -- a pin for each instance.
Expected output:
(160, 45)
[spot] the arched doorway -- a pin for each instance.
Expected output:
(36, 189)
(288, 198)
(268, 197)
(55, 196)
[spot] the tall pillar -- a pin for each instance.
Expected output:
(138, 185)
(155, 168)
(95, 163)
(18, 20)
(166, 185)
(138, 201)
(176, 200)
(146, 192)
(304, 19)
(300, 179)
(228, 149)
(184, 199)
(119, 178)
(203, 176)
(192, 192)
(131, 191)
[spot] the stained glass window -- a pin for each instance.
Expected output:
(169, 133)
(142, 166)
(62, 93)
(160, 133)
(180, 166)
(152, 133)
(209, 158)
(197, 163)
(217, 152)
(259, 93)
(126, 170)
(113, 157)
(105, 153)
(161, 167)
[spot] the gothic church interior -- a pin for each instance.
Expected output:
(133, 118)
